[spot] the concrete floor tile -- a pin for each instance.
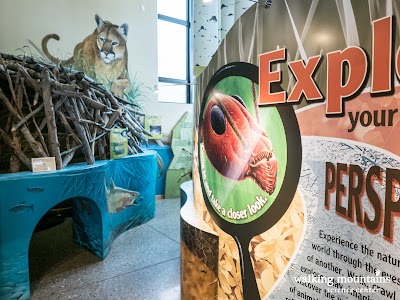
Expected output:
(167, 220)
(158, 282)
(60, 269)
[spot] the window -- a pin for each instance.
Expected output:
(174, 75)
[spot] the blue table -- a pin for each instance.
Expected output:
(103, 207)
(165, 152)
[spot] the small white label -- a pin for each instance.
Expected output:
(43, 164)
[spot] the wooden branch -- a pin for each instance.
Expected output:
(59, 103)
(88, 122)
(56, 85)
(27, 117)
(112, 98)
(36, 98)
(69, 156)
(79, 146)
(10, 84)
(35, 146)
(134, 111)
(20, 87)
(94, 104)
(94, 143)
(102, 144)
(134, 131)
(135, 142)
(80, 107)
(81, 133)
(93, 95)
(97, 117)
(35, 85)
(14, 161)
(78, 114)
(21, 156)
(8, 105)
(20, 96)
(86, 112)
(137, 125)
(131, 150)
(38, 132)
(114, 118)
(54, 146)
(64, 121)
(67, 93)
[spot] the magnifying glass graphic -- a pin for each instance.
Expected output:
(249, 160)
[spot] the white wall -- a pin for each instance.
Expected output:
(73, 20)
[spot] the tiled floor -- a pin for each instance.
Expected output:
(143, 263)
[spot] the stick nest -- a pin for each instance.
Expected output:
(51, 111)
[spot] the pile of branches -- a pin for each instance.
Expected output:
(50, 111)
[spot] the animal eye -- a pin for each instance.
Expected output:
(101, 39)
(238, 98)
(114, 43)
(217, 120)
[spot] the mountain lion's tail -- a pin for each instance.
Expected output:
(51, 57)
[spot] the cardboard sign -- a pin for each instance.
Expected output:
(153, 125)
(43, 164)
(180, 168)
(118, 143)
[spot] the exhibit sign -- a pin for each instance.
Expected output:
(234, 147)
(297, 165)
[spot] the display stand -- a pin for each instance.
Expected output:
(104, 205)
(199, 251)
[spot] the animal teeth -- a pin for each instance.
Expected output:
(267, 155)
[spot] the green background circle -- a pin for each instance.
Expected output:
(236, 195)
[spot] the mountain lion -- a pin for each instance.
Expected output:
(102, 55)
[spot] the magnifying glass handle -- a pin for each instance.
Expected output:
(249, 283)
